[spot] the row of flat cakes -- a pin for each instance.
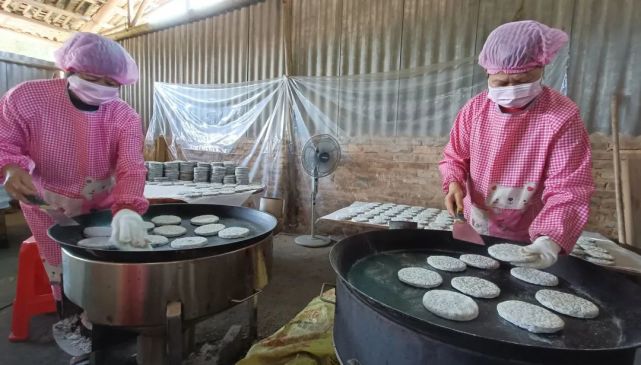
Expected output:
(383, 213)
(589, 250)
(164, 227)
(459, 306)
(193, 190)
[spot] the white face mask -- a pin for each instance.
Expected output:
(91, 93)
(515, 96)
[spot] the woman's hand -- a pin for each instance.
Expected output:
(18, 183)
(454, 198)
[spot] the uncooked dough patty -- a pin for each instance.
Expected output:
(599, 255)
(156, 240)
(97, 242)
(450, 305)
(170, 231)
(534, 276)
(201, 220)
(475, 287)
(568, 304)
(188, 242)
(209, 229)
(166, 220)
(597, 261)
(593, 248)
(479, 261)
(233, 232)
(103, 231)
(148, 225)
(509, 253)
(446, 263)
(529, 316)
(420, 277)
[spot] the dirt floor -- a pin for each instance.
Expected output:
(298, 274)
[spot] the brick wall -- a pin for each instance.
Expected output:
(405, 170)
(400, 170)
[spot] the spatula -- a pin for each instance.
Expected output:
(58, 216)
(463, 231)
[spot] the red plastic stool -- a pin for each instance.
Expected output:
(33, 291)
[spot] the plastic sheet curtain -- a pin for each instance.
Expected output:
(264, 124)
(212, 123)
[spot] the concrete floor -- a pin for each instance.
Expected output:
(298, 274)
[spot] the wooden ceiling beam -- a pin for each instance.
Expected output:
(141, 10)
(34, 25)
(101, 16)
(120, 11)
(55, 43)
(55, 9)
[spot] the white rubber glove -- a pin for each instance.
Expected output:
(546, 250)
(127, 228)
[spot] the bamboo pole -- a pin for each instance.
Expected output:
(616, 156)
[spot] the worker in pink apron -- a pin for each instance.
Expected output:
(76, 145)
(518, 160)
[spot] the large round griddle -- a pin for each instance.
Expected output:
(368, 263)
(260, 226)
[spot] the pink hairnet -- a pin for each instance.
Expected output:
(98, 56)
(520, 47)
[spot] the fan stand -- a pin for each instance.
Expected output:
(312, 240)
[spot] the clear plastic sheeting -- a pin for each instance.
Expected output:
(213, 122)
(264, 124)
(210, 117)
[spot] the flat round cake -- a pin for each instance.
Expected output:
(202, 220)
(170, 231)
(534, 276)
(510, 253)
(599, 255)
(597, 261)
(420, 277)
(102, 231)
(475, 287)
(446, 263)
(479, 261)
(156, 240)
(450, 305)
(529, 316)
(568, 304)
(188, 242)
(233, 232)
(209, 229)
(101, 243)
(148, 225)
(166, 220)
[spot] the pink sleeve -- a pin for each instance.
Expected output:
(14, 134)
(567, 187)
(455, 165)
(130, 168)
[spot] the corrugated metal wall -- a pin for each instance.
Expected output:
(606, 59)
(352, 37)
(234, 47)
(15, 69)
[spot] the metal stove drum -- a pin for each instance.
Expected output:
(160, 294)
(379, 320)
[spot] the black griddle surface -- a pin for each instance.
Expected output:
(259, 224)
(370, 267)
